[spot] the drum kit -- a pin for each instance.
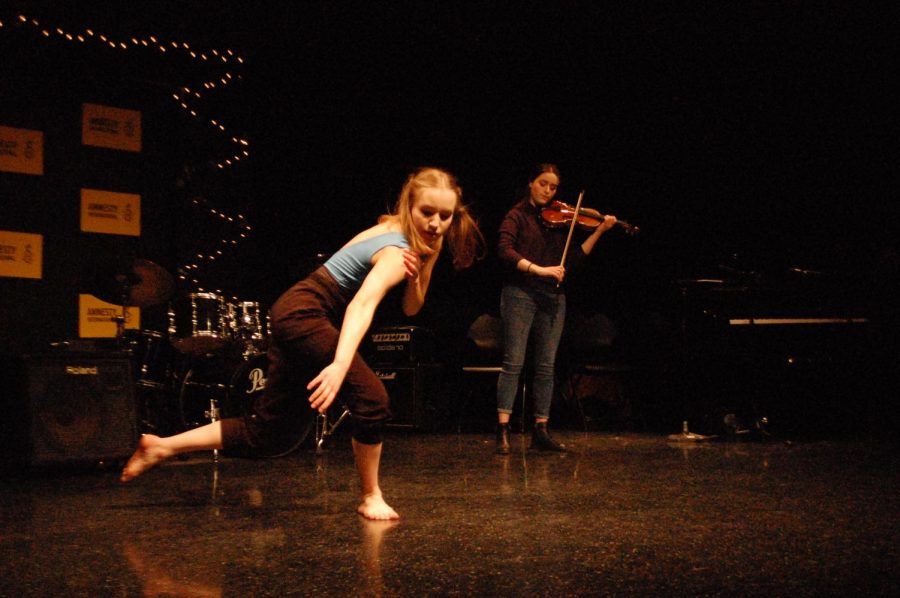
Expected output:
(208, 363)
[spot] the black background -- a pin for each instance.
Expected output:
(751, 141)
(760, 129)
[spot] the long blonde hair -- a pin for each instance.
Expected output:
(464, 237)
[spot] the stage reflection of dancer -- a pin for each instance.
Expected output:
(317, 326)
(533, 301)
(372, 581)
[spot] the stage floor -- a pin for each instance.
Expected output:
(624, 514)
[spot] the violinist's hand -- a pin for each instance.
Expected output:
(412, 263)
(609, 221)
(325, 386)
(557, 272)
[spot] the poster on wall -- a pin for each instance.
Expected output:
(97, 318)
(21, 254)
(21, 150)
(115, 128)
(110, 213)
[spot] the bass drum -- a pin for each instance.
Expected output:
(246, 385)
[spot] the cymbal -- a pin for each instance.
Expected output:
(154, 285)
(136, 282)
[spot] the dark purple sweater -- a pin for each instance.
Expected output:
(523, 235)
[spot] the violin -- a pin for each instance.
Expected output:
(558, 214)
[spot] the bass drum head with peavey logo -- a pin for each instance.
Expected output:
(246, 384)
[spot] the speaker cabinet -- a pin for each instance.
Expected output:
(401, 346)
(415, 395)
(81, 409)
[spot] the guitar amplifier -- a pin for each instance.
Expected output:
(399, 345)
(416, 395)
(82, 408)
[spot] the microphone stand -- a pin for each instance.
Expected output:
(685, 435)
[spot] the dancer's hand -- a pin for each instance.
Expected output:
(411, 263)
(325, 386)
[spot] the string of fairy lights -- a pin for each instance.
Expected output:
(186, 97)
(191, 271)
(189, 98)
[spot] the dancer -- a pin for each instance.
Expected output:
(317, 326)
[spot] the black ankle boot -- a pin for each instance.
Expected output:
(502, 439)
(541, 440)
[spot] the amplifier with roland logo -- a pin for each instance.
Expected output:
(81, 407)
(399, 345)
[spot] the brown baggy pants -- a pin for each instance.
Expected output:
(306, 323)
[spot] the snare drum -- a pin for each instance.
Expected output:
(207, 329)
(249, 321)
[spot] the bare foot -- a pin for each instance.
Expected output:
(374, 507)
(149, 453)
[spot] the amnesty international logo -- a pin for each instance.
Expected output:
(97, 318)
(111, 213)
(21, 254)
(21, 150)
(115, 128)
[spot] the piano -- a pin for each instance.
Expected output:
(794, 350)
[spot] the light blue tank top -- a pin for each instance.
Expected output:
(350, 265)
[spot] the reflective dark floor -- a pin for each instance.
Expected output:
(625, 514)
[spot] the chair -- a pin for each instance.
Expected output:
(589, 353)
(484, 355)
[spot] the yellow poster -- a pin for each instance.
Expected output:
(97, 318)
(111, 213)
(21, 150)
(115, 128)
(21, 254)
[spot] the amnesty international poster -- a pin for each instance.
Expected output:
(115, 128)
(21, 254)
(96, 318)
(110, 213)
(21, 150)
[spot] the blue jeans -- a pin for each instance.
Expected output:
(525, 312)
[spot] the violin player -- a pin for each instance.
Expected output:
(531, 249)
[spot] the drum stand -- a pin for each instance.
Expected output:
(121, 319)
(686, 435)
(211, 414)
(324, 429)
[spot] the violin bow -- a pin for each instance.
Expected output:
(571, 230)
